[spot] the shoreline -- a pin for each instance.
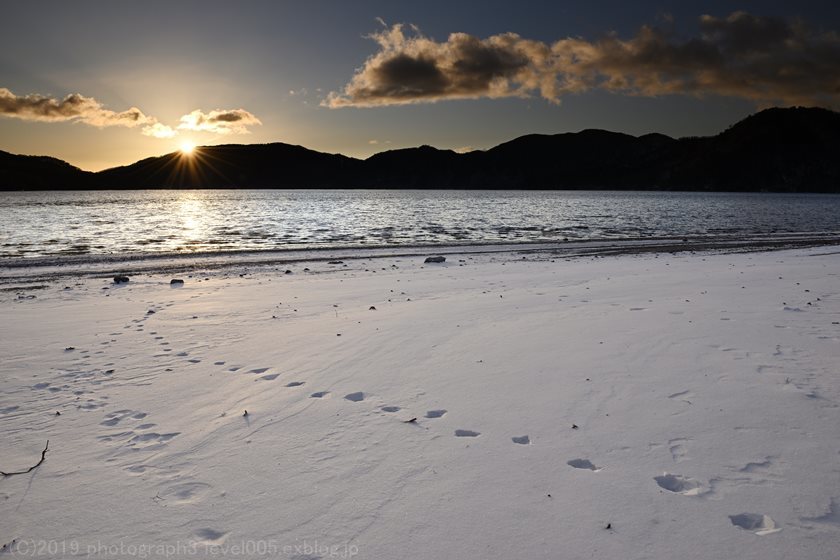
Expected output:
(54, 268)
(644, 405)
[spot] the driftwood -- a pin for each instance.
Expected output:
(33, 467)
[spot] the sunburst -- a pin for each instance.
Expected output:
(187, 147)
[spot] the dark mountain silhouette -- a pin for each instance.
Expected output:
(235, 165)
(40, 172)
(793, 149)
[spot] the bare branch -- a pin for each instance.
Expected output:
(36, 465)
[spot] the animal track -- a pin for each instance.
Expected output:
(391, 409)
(583, 464)
(521, 440)
(319, 395)
(114, 418)
(755, 522)
(270, 377)
(679, 484)
(295, 383)
(435, 413)
(355, 397)
(257, 370)
(466, 433)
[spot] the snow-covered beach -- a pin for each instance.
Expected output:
(494, 406)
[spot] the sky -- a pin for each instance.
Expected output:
(101, 84)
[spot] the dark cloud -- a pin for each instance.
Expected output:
(763, 59)
(413, 68)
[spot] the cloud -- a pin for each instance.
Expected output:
(232, 121)
(762, 59)
(158, 130)
(87, 110)
(74, 107)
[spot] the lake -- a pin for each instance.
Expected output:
(52, 224)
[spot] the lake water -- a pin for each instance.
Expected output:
(44, 224)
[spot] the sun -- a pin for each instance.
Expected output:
(187, 147)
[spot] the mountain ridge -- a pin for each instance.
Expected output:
(777, 149)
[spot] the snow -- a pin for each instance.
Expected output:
(490, 408)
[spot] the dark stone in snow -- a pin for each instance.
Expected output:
(176, 282)
(435, 259)
(120, 279)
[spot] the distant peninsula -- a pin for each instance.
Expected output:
(781, 149)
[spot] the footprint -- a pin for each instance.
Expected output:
(91, 405)
(583, 464)
(355, 397)
(679, 484)
(235, 368)
(150, 440)
(319, 395)
(185, 493)
(466, 433)
(437, 414)
(194, 361)
(218, 363)
(270, 377)
(258, 370)
(391, 408)
(755, 522)
(522, 440)
(295, 383)
(114, 418)
(677, 449)
(210, 537)
(759, 467)
(832, 515)
(8, 409)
